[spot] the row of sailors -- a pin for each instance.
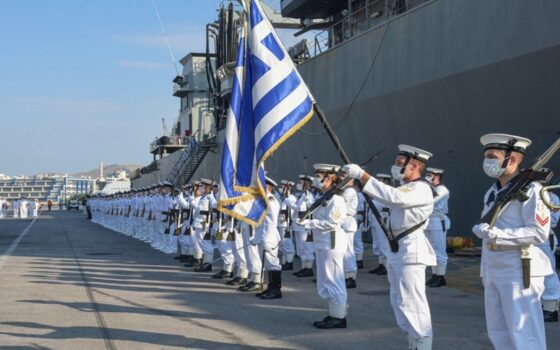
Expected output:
(22, 208)
(187, 221)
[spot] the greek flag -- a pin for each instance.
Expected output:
(269, 103)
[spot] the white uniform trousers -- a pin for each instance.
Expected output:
(304, 249)
(204, 246)
(271, 260)
(514, 316)
(358, 242)
(224, 247)
(185, 241)
(330, 279)
(408, 299)
(287, 246)
(252, 253)
(438, 240)
(239, 252)
(350, 254)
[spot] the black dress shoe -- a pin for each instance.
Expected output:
(360, 264)
(331, 323)
(180, 257)
(237, 281)
(223, 274)
(376, 270)
(260, 294)
(305, 273)
(297, 272)
(431, 279)
(203, 268)
(288, 266)
(251, 287)
(193, 262)
(439, 281)
(550, 316)
(187, 258)
(272, 294)
(350, 283)
(324, 320)
(382, 271)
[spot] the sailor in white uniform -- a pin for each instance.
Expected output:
(438, 225)
(330, 243)
(410, 207)
(287, 246)
(268, 237)
(202, 219)
(304, 247)
(551, 294)
(514, 318)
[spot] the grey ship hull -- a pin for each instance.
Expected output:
(446, 73)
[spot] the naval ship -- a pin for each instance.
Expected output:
(435, 74)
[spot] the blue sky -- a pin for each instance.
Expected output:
(84, 81)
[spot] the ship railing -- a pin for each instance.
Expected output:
(189, 149)
(372, 13)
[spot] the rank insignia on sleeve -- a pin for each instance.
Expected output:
(542, 215)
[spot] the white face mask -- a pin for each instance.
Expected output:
(493, 167)
(299, 187)
(429, 178)
(317, 182)
(396, 172)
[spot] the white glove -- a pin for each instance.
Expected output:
(305, 223)
(353, 171)
(481, 230)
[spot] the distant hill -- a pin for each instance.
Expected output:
(108, 170)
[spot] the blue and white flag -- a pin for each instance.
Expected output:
(269, 103)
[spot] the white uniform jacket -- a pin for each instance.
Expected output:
(520, 224)
(326, 225)
(439, 219)
(267, 232)
(409, 205)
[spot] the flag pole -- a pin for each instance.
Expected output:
(334, 138)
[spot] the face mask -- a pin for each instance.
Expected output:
(493, 167)
(299, 187)
(429, 179)
(318, 182)
(396, 172)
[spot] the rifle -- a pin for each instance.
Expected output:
(335, 189)
(545, 198)
(516, 190)
(171, 218)
(178, 221)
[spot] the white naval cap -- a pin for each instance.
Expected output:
(167, 183)
(415, 153)
(383, 176)
(271, 182)
(206, 181)
(326, 168)
(435, 171)
(305, 177)
(505, 142)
